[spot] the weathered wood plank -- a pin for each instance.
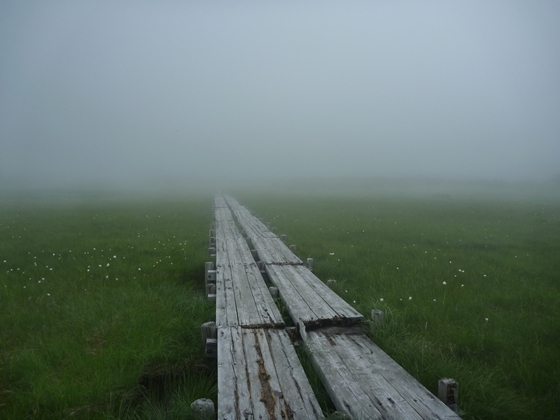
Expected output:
(292, 378)
(422, 400)
(242, 296)
(343, 309)
(302, 307)
(233, 391)
(259, 375)
(308, 299)
(305, 306)
(270, 248)
(366, 383)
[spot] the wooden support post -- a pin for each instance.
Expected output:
(274, 291)
(203, 409)
(448, 392)
(255, 254)
(293, 248)
(212, 250)
(209, 330)
(212, 232)
(310, 263)
(262, 269)
(331, 283)
(213, 225)
(212, 241)
(293, 334)
(211, 291)
(209, 339)
(283, 237)
(377, 317)
(273, 229)
(209, 265)
(211, 276)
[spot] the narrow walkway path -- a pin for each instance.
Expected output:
(259, 373)
(360, 378)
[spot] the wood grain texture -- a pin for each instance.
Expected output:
(242, 296)
(365, 382)
(259, 375)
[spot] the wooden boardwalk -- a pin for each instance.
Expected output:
(360, 378)
(259, 373)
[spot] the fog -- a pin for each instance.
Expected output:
(137, 93)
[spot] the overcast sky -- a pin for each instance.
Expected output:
(117, 91)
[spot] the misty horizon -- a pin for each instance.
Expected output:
(124, 94)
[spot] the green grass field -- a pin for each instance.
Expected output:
(101, 298)
(101, 304)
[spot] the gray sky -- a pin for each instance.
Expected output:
(104, 91)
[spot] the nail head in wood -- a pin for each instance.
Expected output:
(203, 409)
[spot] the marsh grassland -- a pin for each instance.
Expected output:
(101, 305)
(101, 298)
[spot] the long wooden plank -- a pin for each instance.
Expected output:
(260, 377)
(308, 299)
(301, 295)
(422, 400)
(270, 248)
(233, 389)
(250, 385)
(242, 297)
(367, 383)
(342, 308)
